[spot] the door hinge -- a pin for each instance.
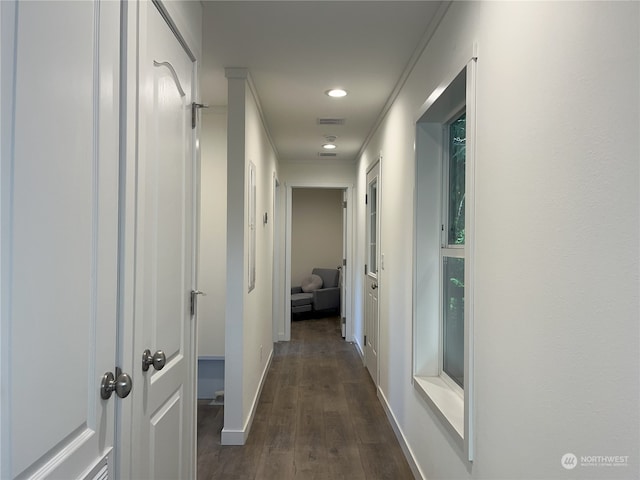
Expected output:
(365, 340)
(344, 262)
(194, 300)
(366, 199)
(365, 268)
(344, 204)
(194, 112)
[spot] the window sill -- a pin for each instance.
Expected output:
(445, 401)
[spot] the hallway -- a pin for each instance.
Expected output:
(318, 418)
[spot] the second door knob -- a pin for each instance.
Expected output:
(158, 360)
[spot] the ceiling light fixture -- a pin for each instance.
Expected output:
(336, 93)
(329, 146)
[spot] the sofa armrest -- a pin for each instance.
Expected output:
(326, 298)
(296, 290)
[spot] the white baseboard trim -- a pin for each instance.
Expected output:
(232, 437)
(239, 437)
(406, 449)
(359, 350)
(211, 358)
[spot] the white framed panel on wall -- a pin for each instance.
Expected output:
(251, 216)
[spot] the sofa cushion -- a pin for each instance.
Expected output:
(300, 299)
(311, 283)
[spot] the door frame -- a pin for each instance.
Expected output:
(131, 33)
(284, 330)
(343, 268)
(277, 309)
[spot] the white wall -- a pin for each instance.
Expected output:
(248, 319)
(258, 340)
(316, 230)
(557, 234)
(212, 267)
(321, 175)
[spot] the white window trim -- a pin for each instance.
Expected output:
(452, 405)
(447, 402)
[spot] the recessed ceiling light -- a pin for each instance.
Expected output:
(336, 93)
(328, 146)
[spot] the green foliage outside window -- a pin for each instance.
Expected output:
(457, 147)
(453, 354)
(453, 287)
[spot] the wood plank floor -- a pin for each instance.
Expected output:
(318, 418)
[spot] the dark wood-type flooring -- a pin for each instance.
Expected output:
(318, 418)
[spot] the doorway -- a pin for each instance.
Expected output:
(341, 193)
(316, 231)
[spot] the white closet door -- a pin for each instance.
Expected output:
(164, 406)
(59, 236)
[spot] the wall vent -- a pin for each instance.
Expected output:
(101, 471)
(331, 121)
(324, 154)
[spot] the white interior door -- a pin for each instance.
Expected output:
(164, 398)
(371, 272)
(59, 237)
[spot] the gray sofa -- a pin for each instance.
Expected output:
(324, 298)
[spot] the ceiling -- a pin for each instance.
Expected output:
(297, 50)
